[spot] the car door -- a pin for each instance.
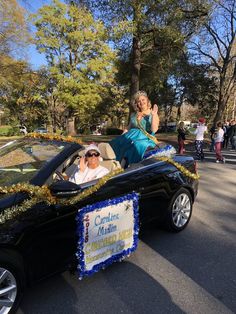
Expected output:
(49, 239)
(149, 180)
(52, 241)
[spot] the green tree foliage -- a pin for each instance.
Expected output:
(114, 108)
(10, 70)
(20, 94)
(197, 87)
(56, 108)
(80, 60)
(14, 74)
(13, 28)
(149, 31)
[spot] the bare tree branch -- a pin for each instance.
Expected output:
(216, 39)
(208, 55)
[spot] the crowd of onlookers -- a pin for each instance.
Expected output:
(223, 135)
(229, 128)
(228, 135)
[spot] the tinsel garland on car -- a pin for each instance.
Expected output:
(43, 194)
(39, 194)
(181, 168)
(54, 137)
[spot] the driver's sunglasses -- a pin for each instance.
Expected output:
(96, 154)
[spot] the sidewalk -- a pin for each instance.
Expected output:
(172, 139)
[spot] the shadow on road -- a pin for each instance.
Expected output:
(121, 288)
(200, 254)
(53, 295)
(138, 291)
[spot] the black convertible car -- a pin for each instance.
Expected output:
(38, 238)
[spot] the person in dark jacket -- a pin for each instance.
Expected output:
(232, 134)
(181, 137)
(213, 130)
(226, 127)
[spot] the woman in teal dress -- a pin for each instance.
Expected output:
(139, 136)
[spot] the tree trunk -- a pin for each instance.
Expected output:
(178, 116)
(135, 70)
(221, 102)
(71, 126)
(219, 113)
(54, 118)
(234, 107)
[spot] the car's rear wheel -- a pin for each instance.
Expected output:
(179, 211)
(12, 284)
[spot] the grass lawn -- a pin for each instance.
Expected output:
(5, 139)
(170, 137)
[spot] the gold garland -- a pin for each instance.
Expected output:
(55, 137)
(43, 194)
(90, 190)
(179, 167)
(151, 137)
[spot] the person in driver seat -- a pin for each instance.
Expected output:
(89, 167)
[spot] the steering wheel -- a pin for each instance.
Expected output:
(59, 175)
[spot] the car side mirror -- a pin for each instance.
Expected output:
(64, 189)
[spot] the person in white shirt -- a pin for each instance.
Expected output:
(200, 132)
(219, 138)
(89, 168)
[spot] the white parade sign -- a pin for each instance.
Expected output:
(108, 231)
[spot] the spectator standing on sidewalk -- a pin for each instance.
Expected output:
(219, 138)
(200, 132)
(226, 127)
(213, 130)
(232, 134)
(181, 137)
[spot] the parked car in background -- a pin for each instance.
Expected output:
(41, 130)
(42, 240)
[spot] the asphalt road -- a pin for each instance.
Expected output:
(189, 272)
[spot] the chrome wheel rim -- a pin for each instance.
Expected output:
(8, 290)
(181, 210)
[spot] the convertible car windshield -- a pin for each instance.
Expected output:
(20, 161)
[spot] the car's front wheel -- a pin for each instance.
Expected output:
(179, 211)
(8, 290)
(11, 285)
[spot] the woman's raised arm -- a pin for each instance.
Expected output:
(155, 119)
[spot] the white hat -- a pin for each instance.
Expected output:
(92, 147)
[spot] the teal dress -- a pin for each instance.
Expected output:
(133, 144)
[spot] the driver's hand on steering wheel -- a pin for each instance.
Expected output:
(65, 176)
(61, 176)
